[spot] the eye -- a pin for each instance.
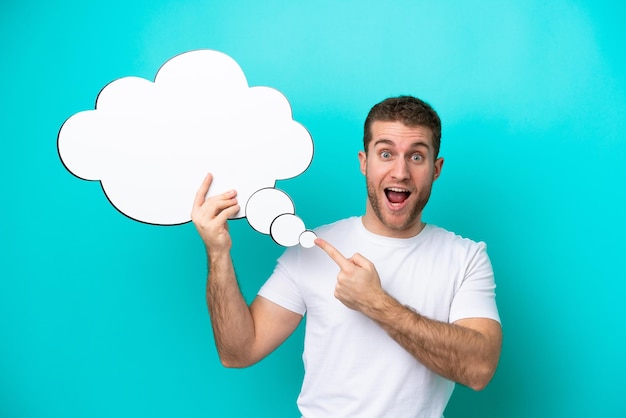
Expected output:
(385, 155)
(417, 158)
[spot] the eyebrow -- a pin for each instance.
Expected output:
(413, 145)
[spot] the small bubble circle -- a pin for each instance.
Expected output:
(307, 239)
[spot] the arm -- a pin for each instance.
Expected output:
(466, 352)
(243, 335)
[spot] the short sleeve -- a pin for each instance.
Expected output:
(475, 297)
(281, 288)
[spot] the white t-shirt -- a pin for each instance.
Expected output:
(352, 367)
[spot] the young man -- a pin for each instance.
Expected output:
(389, 329)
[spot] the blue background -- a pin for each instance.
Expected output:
(102, 316)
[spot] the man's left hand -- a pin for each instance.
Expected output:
(358, 284)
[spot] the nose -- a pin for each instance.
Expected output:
(400, 170)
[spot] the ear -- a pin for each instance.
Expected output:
(437, 168)
(363, 162)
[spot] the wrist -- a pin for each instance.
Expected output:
(218, 256)
(381, 305)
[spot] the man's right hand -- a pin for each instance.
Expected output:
(243, 335)
(210, 216)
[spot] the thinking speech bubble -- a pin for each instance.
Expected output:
(150, 144)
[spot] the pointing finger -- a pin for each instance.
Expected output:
(333, 253)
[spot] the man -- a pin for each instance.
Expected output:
(389, 329)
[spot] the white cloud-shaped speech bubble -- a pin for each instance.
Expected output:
(150, 144)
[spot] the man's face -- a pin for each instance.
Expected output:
(399, 168)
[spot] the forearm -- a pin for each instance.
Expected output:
(466, 352)
(455, 352)
(233, 326)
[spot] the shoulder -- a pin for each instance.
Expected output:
(338, 227)
(441, 238)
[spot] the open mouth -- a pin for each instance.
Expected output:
(396, 195)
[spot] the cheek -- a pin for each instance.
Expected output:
(374, 174)
(424, 177)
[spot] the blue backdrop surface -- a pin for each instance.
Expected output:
(102, 316)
